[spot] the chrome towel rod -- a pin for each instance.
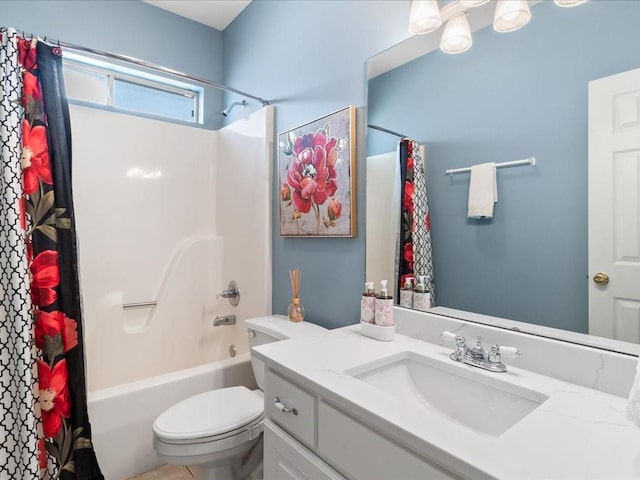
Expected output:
(386, 130)
(527, 161)
(152, 303)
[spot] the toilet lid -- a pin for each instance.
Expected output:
(209, 414)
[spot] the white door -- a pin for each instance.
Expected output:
(614, 206)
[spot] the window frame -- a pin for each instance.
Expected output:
(114, 72)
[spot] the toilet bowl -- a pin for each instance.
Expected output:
(214, 432)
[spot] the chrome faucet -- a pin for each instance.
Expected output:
(477, 356)
(224, 320)
(232, 293)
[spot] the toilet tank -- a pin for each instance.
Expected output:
(273, 328)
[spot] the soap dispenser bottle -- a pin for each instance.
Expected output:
(406, 293)
(367, 304)
(384, 307)
(421, 295)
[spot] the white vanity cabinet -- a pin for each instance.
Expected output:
(286, 459)
(306, 437)
(287, 454)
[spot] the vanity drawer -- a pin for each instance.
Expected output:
(284, 458)
(290, 407)
(359, 453)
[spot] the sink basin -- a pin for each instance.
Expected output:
(480, 401)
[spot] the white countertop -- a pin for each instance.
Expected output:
(578, 433)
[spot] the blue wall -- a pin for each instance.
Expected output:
(309, 58)
(512, 96)
(131, 28)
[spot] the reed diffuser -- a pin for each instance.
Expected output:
(295, 310)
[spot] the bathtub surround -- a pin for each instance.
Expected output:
(190, 220)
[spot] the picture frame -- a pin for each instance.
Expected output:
(317, 177)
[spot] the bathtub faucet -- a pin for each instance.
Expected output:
(232, 293)
(224, 320)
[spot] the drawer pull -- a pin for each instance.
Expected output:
(283, 408)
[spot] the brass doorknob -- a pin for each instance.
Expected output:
(601, 278)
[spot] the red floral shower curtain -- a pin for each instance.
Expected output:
(64, 443)
(415, 255)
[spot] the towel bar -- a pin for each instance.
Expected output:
(527, 161)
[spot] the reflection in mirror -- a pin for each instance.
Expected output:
(531, 93)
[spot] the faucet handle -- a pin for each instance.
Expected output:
(511, 352)
(497, 351)
(452, 337)
(479, 348)
(448, 336)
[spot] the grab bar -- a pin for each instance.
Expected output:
(152, 303)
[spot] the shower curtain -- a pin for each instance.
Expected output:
(44, 427)
(415, 251)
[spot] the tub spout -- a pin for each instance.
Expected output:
(224, 320)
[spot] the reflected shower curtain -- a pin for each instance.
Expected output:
(415, 252)
(45, 221)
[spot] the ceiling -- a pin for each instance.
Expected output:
(214, 13)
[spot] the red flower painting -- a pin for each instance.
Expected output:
(55, 403)
(312, 174)
(316, 176)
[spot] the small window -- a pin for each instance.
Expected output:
(93, 81)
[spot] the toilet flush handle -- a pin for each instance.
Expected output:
(283, 408)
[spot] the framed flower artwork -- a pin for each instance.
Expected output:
(316, 172)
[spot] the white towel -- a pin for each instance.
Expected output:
(633, 407)
(483, 190)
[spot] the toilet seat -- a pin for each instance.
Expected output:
(212, 416)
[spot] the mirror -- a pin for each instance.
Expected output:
(511, 96)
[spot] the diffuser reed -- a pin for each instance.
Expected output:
(295, 310)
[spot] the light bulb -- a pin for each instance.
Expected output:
(473, 3)
(511, 15)
(456, 37)
(569, 3)
(424, 16)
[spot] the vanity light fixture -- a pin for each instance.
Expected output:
(511, 15)
(456, 37)
(569, 3)
(424, 16)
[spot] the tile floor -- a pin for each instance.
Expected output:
(166, 472)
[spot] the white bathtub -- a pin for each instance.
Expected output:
(121, 417)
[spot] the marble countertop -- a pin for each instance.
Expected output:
(577, 433)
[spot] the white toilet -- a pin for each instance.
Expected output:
(214, 431)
